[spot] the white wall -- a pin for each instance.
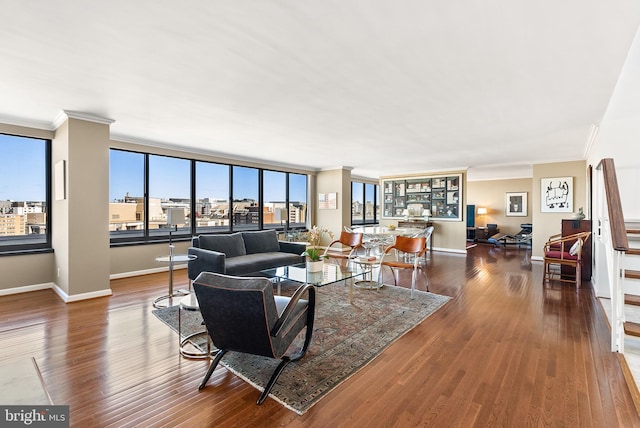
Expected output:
(618, 138)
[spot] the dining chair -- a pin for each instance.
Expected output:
(427, 235)
(352, 240)
(562, 251)
(412, 246)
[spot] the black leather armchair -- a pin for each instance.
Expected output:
(243, 315)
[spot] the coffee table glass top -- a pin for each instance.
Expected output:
(330, 273)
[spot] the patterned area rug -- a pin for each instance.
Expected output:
(346, 338)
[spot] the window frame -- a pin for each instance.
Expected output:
(376, 204)
(42, 246)
(149, 238)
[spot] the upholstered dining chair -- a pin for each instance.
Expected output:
(242, 314)
(413, 247)
(562, 251)
(352, 240)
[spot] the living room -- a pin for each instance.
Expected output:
(81, 264)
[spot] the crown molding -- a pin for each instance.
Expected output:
(219, 156)
(87, 117)
(27, 123)
(345, 168)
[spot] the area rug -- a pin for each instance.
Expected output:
(346, 338)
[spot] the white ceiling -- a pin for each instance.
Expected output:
(382, 86)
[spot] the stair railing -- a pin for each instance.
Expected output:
(612, 236)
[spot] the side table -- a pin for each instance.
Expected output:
(171, 259)
(367, 263)
(190, 303)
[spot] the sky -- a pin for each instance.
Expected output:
(23, 170)
(169, 177)
(22, 166)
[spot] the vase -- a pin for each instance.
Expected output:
(314, 266)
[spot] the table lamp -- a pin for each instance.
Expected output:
(482, 211)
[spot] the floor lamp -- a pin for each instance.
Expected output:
(175, 217)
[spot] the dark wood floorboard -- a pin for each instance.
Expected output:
(505, 351)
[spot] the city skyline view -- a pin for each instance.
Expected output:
(24, 158)
(170, 178)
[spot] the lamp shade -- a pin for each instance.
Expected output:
(175, 216)
(482, 211)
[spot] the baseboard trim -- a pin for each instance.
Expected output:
(78, 297)
(624, 366)
(450, 250)
(146, 271)
(631, 383)
(56, 289)
(26, 288)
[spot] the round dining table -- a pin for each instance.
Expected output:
(388, 231)
(382, 236)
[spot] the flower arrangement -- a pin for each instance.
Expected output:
(315, 235)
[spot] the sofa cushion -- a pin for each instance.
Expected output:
(232, 245)
(263, 241)
(260, 261)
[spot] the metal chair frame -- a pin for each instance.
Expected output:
(414, 246)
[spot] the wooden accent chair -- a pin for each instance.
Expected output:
(414, 247)
(243, 315)
(353, 240)
(562, 251)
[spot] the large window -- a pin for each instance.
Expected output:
(297, 201)
(126, 194)
(169, 203)
(212, 197)
(274, 213)
(245, 212)
(152, 197)
(24, 193)
(285, 200)
(365, 208)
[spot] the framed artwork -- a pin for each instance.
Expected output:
(556, 195)
(516, 204)
(327, 201)
(441, 195)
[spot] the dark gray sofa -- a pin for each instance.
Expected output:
(241, 253)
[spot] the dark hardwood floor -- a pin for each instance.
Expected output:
(505, 351)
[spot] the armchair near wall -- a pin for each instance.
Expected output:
(492, 229)
(564, 251)
(483, 234)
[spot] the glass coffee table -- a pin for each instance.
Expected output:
(331, 273)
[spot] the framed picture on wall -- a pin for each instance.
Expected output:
(516, 204)
(556, 195)
(442, 195)
(327, 201)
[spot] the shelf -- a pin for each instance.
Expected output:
(439, 194)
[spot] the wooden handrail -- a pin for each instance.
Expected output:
(612, 194)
